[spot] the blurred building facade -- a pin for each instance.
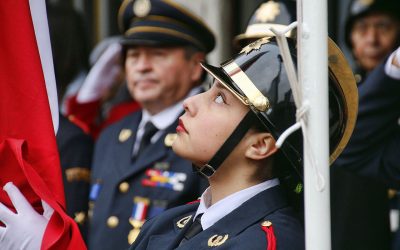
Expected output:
(226, 17)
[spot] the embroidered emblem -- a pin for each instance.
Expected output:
(255, 45)
(124, 134)
(141, 8)
(182, 222)
(268, 12)
(217, 240)
(169, 139)
(164, 179)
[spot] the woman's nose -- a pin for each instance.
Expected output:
(190, 104)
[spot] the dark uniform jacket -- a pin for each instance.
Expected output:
(75, 148)
(125, 190)
(240, 229)
(360, 204)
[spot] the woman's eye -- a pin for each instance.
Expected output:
(219, 99)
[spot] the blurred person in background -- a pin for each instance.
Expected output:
(67, 35)
(136, 175)
(103, 97)
(372, 32)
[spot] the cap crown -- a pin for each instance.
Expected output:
(163, 22)
(276, 14)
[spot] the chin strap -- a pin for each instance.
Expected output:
(209, 169)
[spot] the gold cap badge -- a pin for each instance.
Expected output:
(124, 134)
(141, 8)
(255, 45)
(268, 11)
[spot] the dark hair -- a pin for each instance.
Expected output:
(68, 42)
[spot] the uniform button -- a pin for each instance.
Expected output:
(266, 223)
(123, 187)
(112, 221)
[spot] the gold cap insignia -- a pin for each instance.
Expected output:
(124, 134)
(266, 223)
(217, 240)
(255, 45)
(169, 139)
(182, 222)
(268, 11)
(141, 8)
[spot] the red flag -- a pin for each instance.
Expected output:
(28, 151)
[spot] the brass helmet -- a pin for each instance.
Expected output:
(257, 77)
(276, 14)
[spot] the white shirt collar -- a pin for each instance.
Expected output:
(161, 120)
(212, 214)
(165, 118)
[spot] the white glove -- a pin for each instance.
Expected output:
(102, 75)
(24, 229)
(391, 69)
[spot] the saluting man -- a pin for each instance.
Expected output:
(135, 173)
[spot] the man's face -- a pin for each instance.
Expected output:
(159, 77)
(373, 37)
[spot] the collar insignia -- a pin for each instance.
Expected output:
(217, 240)
(182, 222)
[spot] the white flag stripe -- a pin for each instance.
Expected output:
(39, 19)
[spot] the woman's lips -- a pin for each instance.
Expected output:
(181, 127)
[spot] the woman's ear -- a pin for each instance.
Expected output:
(261, 146)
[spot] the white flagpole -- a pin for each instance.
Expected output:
(313, 76)
(39, 19)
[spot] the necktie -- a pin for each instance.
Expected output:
(194, 229)
(149, 131)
